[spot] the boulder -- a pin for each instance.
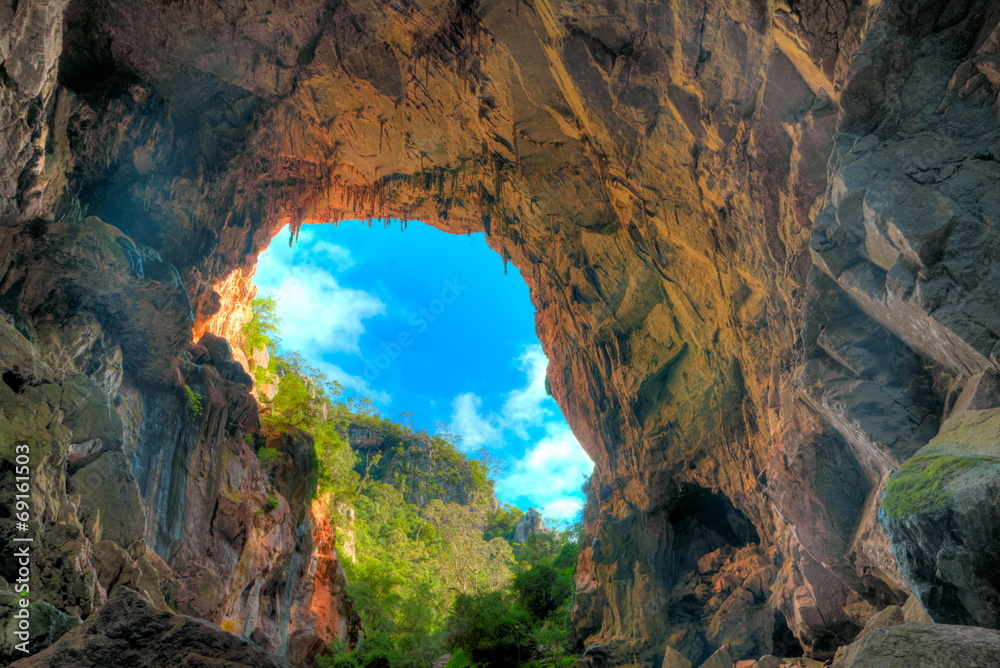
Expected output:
(128, 632)
(932, 645)
(940, 512)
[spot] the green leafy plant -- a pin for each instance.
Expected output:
(193, 400)
(271, 503)
(492, 630)
(268, 456)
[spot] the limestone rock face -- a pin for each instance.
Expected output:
(143, 475)
(759, 238)
(528, 525)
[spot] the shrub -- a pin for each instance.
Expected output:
(268, 456)
(503, 521)
(460, 659)
(272, 503)
(262, 330)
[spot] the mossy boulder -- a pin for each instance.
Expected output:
(47, 626)
(941, 511)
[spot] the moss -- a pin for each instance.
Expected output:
(193, 402)
(921, 484)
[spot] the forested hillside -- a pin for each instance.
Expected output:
(430, 553)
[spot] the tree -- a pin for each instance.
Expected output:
(469, 563)
(503, 521)
(261, 333)
(543, 589)
(491, 629)
(293, 406)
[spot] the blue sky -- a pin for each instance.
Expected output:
(425, 322)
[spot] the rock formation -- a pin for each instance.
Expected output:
(128, 632)
(528, 525)
(759, 237)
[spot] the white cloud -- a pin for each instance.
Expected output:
(550, 474)
(475, 430)
(339, 255)
(318, 314)
(563, 509)
(526, 407)
(552, 470)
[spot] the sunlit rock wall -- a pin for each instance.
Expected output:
(758, 237)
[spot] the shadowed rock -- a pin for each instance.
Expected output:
(129, 633)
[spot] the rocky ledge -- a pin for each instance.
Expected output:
(128, 632)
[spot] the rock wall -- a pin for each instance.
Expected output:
(758, 237)
(143, 472)
(143, 469)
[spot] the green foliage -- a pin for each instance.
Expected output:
(422, 466)
(543, 589)
(261, 333)
(503, 521)
(293, 407)
(334, 462)
(268, 456)
(271, 503)
(193, 400)
(341, 661)
(492, 630)
(920, 485)
(459, 659)
(539, 547)
(304, 400)
(569, 550)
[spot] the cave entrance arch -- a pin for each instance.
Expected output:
(440, 334)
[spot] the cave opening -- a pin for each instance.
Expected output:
(14, 381)
(783, 641)
(434, 331)
(706, 521)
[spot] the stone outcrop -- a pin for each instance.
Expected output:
(142, 465)
(759, 238)
(129, 632)
(921, 644)
(528, 525)
(940, 512)
(141, 476)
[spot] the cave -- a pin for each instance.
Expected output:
(759, 239)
